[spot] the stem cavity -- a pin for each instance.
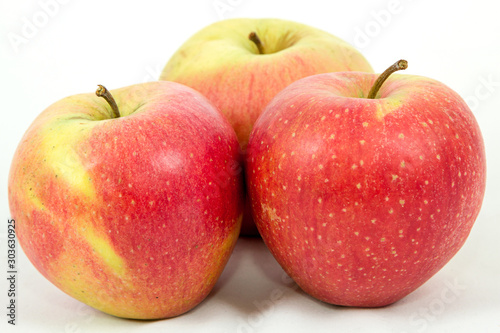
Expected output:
(104, 93)
(256, 40)
(398, 65)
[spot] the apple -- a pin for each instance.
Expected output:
(241, 64)
(130, 207)
(363, 190)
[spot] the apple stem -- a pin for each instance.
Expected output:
(104, 93)
(398, 65)
(256, 40)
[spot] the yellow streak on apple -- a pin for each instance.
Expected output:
(74, 283)
(37, 203)
(68, 167)
(101, 245)
(65, 159)
(227, 245)
(386, 106)
(106, 302)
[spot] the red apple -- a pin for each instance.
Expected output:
(130, 207)
(361, 200)
(241, 64)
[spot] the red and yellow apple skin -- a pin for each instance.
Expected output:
(225, 66)
(363, 200)
(135, 216)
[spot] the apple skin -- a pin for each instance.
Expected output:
(363, 200)
(225, 66)
(135, 216)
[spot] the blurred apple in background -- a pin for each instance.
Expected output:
(129, 206)
(362, 197)
(241, 64)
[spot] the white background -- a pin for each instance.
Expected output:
(83, 43)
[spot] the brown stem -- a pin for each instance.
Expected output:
(256, 40)
(398, 65)
(104, 93)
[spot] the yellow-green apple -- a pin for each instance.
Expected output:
(128, 202)
(362, 191)
(241, 64)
